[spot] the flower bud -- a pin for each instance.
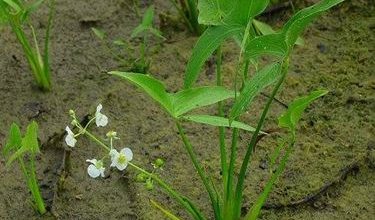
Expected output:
(141, 177)
(149, 184)
(74, 122)
(72, 113)
(111, 134)
(159, 163)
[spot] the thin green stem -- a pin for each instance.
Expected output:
(251, 145)
(255, 210)
(97, 141)
(35, 187)
(193, 157)
(33, 184)
(233, 157)
(180, 199)
(220, 107)
(189, 206)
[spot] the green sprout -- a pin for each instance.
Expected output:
(24, 151)
(226, 19)
(133, 61)
(16, 13)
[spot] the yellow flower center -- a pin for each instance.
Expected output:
(122, 159)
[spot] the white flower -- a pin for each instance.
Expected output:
(101, 120)
(96, 168)
(70, 139)
(121, 160)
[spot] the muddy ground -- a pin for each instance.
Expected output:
(334, 158)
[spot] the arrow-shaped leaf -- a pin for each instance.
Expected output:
(14, 141)
(151, 86)
(291, 117)
(295, 25)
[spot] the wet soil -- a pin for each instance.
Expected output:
(336, 133)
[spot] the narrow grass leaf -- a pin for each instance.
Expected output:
(151, 86)
(189, 99)
(206, 45)
(290, 118)
(256, 208)
(14, 5)
(30, 9)
(99, 33)
(148, 17)
(219, 122)
(253, 87)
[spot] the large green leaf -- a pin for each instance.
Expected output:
(280, 43)
(253, 87)
(290, 118)
(245, 10)
(189, 99)
(294, 27)
(206, 45)
(272, 44)
(178, 103)
(14, 141)
(151, 86)
(213, 12)
(30, 140)
(29, 143)
(218, 122)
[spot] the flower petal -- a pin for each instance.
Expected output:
(93, 171)
(101, 120)
(128, 153)
(70, 140)
(121, 166)
(93, 161)
(70, 132)
(99, 108)
(102, 171)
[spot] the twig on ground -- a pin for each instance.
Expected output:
(344, 173)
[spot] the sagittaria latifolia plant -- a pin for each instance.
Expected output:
(16, 13)
(24, 150)
(227, 19)
(133, 58)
